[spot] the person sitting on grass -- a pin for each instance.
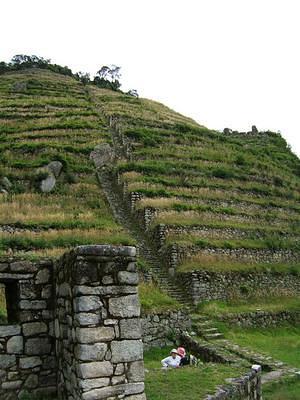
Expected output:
(172, 361)
(184, 359)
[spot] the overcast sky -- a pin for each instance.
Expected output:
(225, 63)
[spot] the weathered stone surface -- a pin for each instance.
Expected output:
(87, 318)
(87, 303)
(88, 384)
(130, 328)
(13, 385)
(48, 183)
(104, 393)
(95, 352)
(93, 335)
(7, 361)
(30, 362)
(102, 155)
(42, 276)
(15, 345)
(9, 330)
(37, 346)
(104, 290)
(22, 266)
(31, 381)
(140, 396)
(126, 350)
(95, 369)
(135, 372)
(34, 328)
(128, 278)
(125, 306)
(55, 167)
(33, 305)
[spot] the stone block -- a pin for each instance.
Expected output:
(13, 385)
(104, 393)
(94, 335)
(31, 381)
(42, 277)
(95, 369)
(33, 305)
(87, 318)
(22, 266)
(94, 352)
(37, 346)
(87, 303)
(126, 351)
(9, 330)
(135, 372)
(124, 306)
(15, 345)
(34, 328)
(128, 278)
(89, 384)
(30, 362)
(7, 361)
(130, 328)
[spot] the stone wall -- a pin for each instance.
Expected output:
(97, 325)
(159, 330)
(207, 285)
(261, 319)
(176, 254)
(27, 346)
(81, 342)
(247, 387)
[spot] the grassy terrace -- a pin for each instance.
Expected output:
(250, 304)
(44, 117)
(185, 383)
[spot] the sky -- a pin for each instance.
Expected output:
(225, 63)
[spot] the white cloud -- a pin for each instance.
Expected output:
(225, 63)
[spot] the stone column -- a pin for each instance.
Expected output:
(98, 331)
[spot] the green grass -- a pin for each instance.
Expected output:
(284, 389)
(250, 304)
(186, 383)
(154, 300)
(281, 343)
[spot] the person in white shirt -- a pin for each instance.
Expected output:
(172, 361)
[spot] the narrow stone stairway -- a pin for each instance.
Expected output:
(203, 327)
(123, 215)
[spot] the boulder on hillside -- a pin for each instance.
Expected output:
(55, 167)
(5, 184)
(52, 171)
(102, 155)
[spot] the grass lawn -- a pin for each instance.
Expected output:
(249, 304)
(154, 300)
(285, 389)
(282, 343)
(191, 383)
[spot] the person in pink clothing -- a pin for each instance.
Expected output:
(184, 360)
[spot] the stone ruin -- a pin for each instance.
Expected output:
(73, 327)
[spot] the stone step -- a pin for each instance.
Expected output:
(213, 336)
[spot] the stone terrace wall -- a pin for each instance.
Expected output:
(97, 325)
(207, 285)
(27, 359)
(262, 318)
(159, 329)
(247, 387)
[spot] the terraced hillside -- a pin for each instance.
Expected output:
(225, 202)
(48, 117)
(210, 201)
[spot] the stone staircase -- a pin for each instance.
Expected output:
(204, 328)
(146, 250)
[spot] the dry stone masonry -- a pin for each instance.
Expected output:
(27, 346)
(87, 343)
